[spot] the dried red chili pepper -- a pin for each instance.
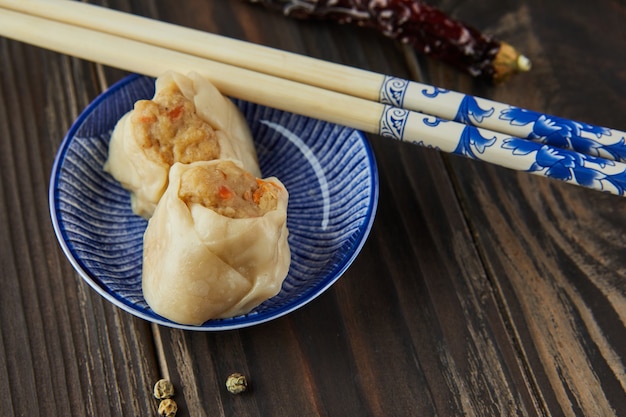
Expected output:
(427, 29)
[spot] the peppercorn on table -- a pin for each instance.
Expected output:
(480, 290)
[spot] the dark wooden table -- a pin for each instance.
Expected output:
(480, 291)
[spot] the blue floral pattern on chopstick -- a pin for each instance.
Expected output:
(564, 133)
(393, 122)
(392, 91)
(470, 112)
(542, 128)
(547, 129)
(472, 142)
(567, 165)
(511, 152)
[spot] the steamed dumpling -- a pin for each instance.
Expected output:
(187, 120)
(216, 245)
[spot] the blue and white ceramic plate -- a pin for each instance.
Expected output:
(329, 171)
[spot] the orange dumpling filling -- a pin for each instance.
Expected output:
(170, 130)
(229, 190)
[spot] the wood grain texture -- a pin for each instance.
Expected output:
(480, 291)
(555, 253)
(65, 350)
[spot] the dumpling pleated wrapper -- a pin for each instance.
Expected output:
(199, 265)
(146, 178)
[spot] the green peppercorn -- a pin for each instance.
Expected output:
(236, 383)
(163, 389)
(168, 408)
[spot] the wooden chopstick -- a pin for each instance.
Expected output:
(446, 104)
(369, 116)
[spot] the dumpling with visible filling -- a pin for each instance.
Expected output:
(187, 120)
(216, 245)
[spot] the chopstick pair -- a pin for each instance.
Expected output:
(452, 122)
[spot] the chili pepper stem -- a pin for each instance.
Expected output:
(509, 61)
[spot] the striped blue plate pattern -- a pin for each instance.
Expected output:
(329, 171)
